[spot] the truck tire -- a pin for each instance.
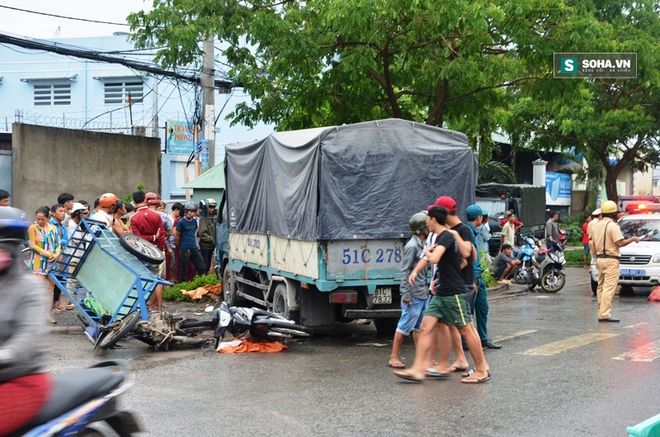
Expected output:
(280, 301)
(386, 326)
(228, 286)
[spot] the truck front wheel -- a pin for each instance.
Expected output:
(229, 286)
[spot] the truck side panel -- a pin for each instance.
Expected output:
(252, 248)
(295, 256)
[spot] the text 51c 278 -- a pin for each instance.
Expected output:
(364, 256)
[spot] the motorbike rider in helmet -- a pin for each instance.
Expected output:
(185, 239)
(107, 205)
(24, 388)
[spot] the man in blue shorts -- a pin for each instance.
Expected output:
(448, 306)
(415, 297)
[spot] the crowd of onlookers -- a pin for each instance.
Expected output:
(185, 235)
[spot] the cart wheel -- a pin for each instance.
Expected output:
(125, 325)
(141, 248)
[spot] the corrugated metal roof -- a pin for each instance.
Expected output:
(212, 178)
(49, 78)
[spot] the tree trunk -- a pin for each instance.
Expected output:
(610, 184)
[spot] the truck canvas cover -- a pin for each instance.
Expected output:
(532, 199)
(359, 181)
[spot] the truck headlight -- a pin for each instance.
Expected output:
(656, 258)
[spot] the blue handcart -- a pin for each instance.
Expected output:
(108, 279)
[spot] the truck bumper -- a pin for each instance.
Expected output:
(373, 313)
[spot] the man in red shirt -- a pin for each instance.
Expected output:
(147, 224)
(517, 224)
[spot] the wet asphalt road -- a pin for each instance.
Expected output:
(560, 373)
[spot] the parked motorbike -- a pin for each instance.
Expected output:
(545, 269)
(525, 254)
(82, 398)
(255, 322)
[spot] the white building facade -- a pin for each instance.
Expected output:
(45, 88)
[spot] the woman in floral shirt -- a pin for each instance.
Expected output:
(45, 244)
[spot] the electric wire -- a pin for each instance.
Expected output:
(63, 16)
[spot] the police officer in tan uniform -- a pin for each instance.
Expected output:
(606, 239)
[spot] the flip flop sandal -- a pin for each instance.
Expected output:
(398, 365)
(470, 373)
(473, 380)
(57, 310)
(433, 373)
(459, 369)
(408, 377)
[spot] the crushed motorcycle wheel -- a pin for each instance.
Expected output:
(125, 325)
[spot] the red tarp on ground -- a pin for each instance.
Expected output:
(240, 346)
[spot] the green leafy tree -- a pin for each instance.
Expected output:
(325, 62)
(496, 172)
(614, 122)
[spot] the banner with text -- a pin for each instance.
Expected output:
(180, 139)
(558, 189)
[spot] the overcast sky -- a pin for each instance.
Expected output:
(41, 26)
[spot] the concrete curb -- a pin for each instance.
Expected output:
(503, 291)
(66, 330)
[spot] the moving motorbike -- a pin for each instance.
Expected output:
(545, 269)
(259, 324)
(82, 398)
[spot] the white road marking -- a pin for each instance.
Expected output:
(646, 353)
(517, 334)
(635, 325)
(567, 344)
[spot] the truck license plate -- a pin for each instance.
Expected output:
(383, 295)
(632, 272)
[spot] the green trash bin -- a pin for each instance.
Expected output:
(648, 428)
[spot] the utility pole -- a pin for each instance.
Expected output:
(208, 98)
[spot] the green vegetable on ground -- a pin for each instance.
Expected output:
(173, 293)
